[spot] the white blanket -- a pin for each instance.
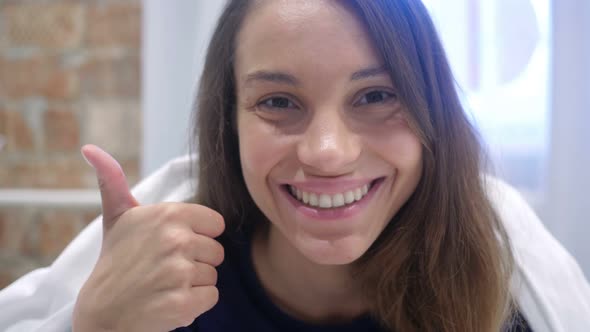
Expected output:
(548, 284)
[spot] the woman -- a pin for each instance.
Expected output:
(340, 189)
(327, 96)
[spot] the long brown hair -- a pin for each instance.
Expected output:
(444, 261)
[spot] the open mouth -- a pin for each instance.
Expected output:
(330, 201)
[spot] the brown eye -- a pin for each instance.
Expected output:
(375, 97)
(277, 103)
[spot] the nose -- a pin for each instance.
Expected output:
(328, 146)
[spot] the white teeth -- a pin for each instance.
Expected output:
(349, 197)
(326, 201)
(365, 189)
(358, 194)
(337, 200)
(313, 199)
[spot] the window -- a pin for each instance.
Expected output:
(499, 52)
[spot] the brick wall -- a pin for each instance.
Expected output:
(69, 75)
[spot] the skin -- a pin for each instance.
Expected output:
(155, 287)
(316, 122)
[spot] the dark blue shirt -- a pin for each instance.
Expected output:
(244, 306)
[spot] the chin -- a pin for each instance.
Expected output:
(341, 251)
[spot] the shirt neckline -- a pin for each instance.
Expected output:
(283, 320)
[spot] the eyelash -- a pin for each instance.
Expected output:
(386, 96)
(265, 102)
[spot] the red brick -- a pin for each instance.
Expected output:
(40, 232)
(63, 173)
(36, 76)
(6, 177)
(6, 278)
(13, 266)
(130, 167)
(57, 228)
(15, 131)
(61, 84)
(14, 227)
(113, 24)
(89, 215)
(45, 25)
(115, 126)
(19, 174)
(50, 172)
(62, 130)
(111, 77)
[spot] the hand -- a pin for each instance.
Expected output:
(156, 269)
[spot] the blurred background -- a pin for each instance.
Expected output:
(122, 74)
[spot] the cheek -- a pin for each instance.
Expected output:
(406, 151)
(260, 149)
(398, 145)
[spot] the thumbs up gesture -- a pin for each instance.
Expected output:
(156, 269)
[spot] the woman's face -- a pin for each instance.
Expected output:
(326, 150)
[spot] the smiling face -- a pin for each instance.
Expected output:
(325, 146)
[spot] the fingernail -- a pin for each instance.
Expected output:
(84, 156)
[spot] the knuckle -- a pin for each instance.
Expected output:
(175, 239)
(182, 308)
(183, 270)
(168, 276)
(213, 220)
(218, 254)
(207, 297)
(186, 319)
(211, 297)
(209, 275)
(219, 226)
(178, 300)
(188, 306)
(170, 211)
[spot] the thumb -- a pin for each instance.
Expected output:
(115, 195)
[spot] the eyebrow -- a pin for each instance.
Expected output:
(368, 73)
(285, 78)
(273, 77)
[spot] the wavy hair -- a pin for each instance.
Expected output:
(444, 261)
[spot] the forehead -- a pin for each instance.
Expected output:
(303, 35)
